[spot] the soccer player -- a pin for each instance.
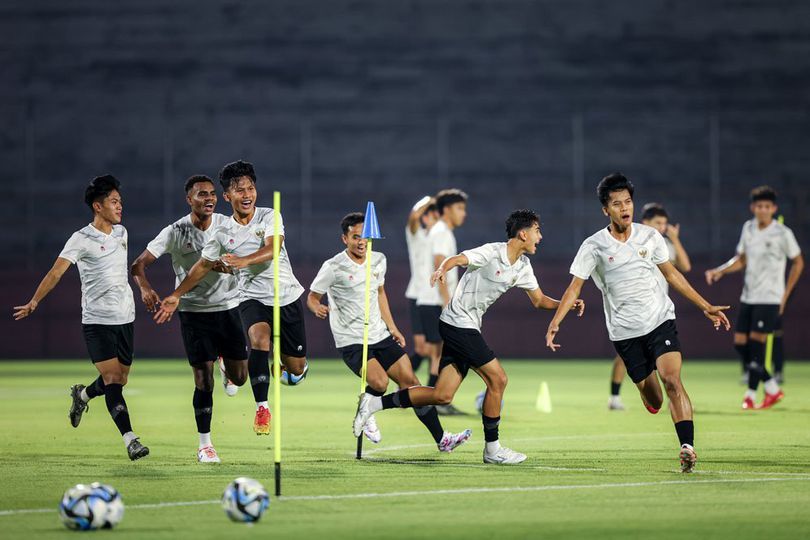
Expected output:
(492, 269)
(209, 314)
(245, 244)
(423, 216)
(623, 259)
(452, 207)
(653, 215)
(764, 246)
(343, 278)
(108, 307)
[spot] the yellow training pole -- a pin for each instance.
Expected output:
(365, 337)
(769, 342)
(277, 340)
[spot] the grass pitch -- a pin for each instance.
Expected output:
(590, 472)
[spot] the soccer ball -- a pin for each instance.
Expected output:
(245, 500)
(88, 507)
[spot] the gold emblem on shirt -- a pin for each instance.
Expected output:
(259, 233)
(642, 253)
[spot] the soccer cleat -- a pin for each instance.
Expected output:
(362, 415)
(748, 404)
(449, 410)
(230, 388)
(77, 407)
(136, 450)
(652, 409)
(688, 458)
(504, 456)
(451, 441)
(615, 403)
(771, 400)
(207, 454)
(371, 431)
(261, 423)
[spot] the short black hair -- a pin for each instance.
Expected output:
(237, 169)
(519, 220)
(763, 193)
(194, 179)
(610, 183)
(350, 220)
(446, 197)
(100, 188)
(653, 210)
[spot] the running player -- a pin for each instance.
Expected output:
(343, 278)
(640, 317)
(108, 308)
(763, 249)
(209, 315)
(245, 244)
(492, 269)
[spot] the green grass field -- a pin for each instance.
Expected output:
(590, 472)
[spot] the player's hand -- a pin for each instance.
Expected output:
(673, 231)
(579, 307)
(712, 276)
(398, 337)
(550, 335)
(222, 268)
(718, 318)
(235, 262)
(150, 299)
(321, 311)
(438, 275)
(22, 312)
(167, 308)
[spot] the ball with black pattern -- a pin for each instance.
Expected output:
(93, 506)
(245, 500)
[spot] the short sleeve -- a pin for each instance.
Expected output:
(480, 256)
(324, 279)
(526, 279)
(792, 249)
(212, 249)
(660, 253)
(442, 244)
(382, 269)
(741, 243)
(270, 224)
(585, 261)
(162, 243)
(73, 250)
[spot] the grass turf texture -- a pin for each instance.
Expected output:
(590, 473)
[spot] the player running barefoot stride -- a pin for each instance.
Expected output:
(343, 278)
(492, 269)
(209, 314)
(624, 259)
(108, 307)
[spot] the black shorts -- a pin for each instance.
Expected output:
(762, 318)
(429, 317)
(463, 347)
(293, 331)
(105, 341)
(416, 320)
(387, 352)
(639, 354)
(209, 335)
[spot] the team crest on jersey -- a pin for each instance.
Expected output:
(642, 253)
(351, 277)
(259, 233)
(103, 249)
(610, 259)
(768, 245)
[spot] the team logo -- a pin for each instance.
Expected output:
(230, 241)
(760, 324)
(351, 277)
(497, 272)
(642, 253)
(768, 245)
(124, 244)
(259, 233)
(300, 347)
(103, 248)
(188, 245)
(668, 343)
(610, 259)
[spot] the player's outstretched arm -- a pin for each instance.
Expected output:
(796, 269)
(169, 304)
(314, 305)
(149, 296)
(734, 264)
(541, 301)
(567, 303)
(261, 255)
(388, 319)
(680, 284)
(47, 284)
(416, 213)
(442, 267)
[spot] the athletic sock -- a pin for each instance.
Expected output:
(492, 446)
(742, 350)
(128, 437)
(771, 386)
(432, 380)
(94, 389)
(262, 404)
(113, 395)
(490, 427)
(430, 418)
(751, 394)
(259, 371)
(205, 439)
(203, 404)
(376, 393)
(614, 388)
(686, 432)
(756, 367)
(400, 399)
(416, 361)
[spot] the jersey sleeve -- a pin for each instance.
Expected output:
(741, 242)
(585, 261)
(270, 224)
(660, 252)
(162, 243)
(383, 268)
(212, 249)
(442, 244)
(324, 279)
(526, 279)
(73, 250)
(792, 249)
(480, 256)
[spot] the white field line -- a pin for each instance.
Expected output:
(461, 491)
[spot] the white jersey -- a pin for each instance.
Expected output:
(766, 252)
(441, 242)
(417, 252)
(634, 298)
(104, 273)
(184, 242)
(345, 282)
(489, 275)
(256, 280)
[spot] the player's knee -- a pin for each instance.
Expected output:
(498, 382)
(239, 378)
(115, 378)
(758, 337)
(378, 383)
(672, 383)
(442, 397)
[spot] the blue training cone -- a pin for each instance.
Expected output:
(371, 227)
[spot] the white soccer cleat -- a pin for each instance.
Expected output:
(230, 388)
(450, 441)
(504, 456)
(688, 458)
(615, 403)
(362, 415)
(207, 454)
(371, 431)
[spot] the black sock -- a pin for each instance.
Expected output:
(742, 350)
(778, 353)
(370, 390)
(428, 416)
(432, 380)
(756, 366)
(113, 394)
(614, 388)
(686, 432)
(96, 388)
(490, 427)
(203, 404)
(259, 371)
(416, 361)
(397, 400)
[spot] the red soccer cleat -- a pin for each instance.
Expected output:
(771, 400)
(261, 424)
(748, 404)
(652, 410)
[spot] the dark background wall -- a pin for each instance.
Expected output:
(520, 103)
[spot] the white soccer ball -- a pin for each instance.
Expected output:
(245, 500)
(89, 507)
